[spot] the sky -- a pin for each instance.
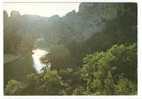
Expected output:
(42, 9)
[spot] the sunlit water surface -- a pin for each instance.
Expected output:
(37, 54)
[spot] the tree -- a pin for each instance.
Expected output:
(71, 80)
(60, 56)
(101, 71)
(13, 87)
(11, 32)
(125, 87)
(46, 83)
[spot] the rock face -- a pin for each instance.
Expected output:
(78, 27)
(81, 25)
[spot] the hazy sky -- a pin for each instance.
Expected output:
(42, 9)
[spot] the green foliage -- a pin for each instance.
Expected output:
(52, 83)
(13, 87)
(71, 80)
(125, 87)
(101, 70)
(60, 56)
(45, 83)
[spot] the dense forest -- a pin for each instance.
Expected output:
(93, 51)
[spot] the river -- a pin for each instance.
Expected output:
(37, 64)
